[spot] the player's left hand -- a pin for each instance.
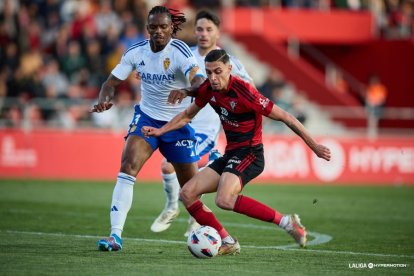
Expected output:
(177, 96)
(150, 131)
(322, 152)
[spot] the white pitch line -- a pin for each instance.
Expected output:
(287, 248)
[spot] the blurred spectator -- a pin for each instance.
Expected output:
(50, 31)
(9, 21)
(274, 80)
(400, 18)
(114, 57)
(54, 80)
(13, 117)
(106, 18)
(376, 95)
(73, 61)
(119, 115)
(60, 46)
(4, 75)
(95, 63)
(377, 8)
(131, 35)
(109, 41)
(33, 117)
(30, 62)
(298, 108)
(34, 33)
(10, 58)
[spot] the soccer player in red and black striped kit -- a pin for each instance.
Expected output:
(240, 107)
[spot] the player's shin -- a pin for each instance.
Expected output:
(203, 215)
(255, 209)
(121, 202)
(172, 190)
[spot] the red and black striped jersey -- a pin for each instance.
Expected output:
(240, 109)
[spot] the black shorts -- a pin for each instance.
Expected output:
(247, 163)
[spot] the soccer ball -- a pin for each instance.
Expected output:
(204, 242)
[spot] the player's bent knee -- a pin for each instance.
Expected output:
(130, 168)
(167, 168)
(224, 202)
(187, 196)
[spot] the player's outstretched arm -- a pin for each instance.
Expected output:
(177, 122)
(106, 94)
(281, 115)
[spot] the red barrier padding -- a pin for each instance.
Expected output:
(96, 155)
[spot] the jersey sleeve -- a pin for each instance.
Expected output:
(202, 98)
(187, 60)
(124, 67)
(239, 70)
(260, 103)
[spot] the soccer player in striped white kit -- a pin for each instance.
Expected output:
(165, 65)
(206, 124)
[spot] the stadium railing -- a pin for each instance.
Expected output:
(56, 114)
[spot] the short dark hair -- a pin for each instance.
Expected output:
(217, 55)
(209, 16)
(177, 18)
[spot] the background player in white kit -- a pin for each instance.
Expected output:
(206, 124)
(165, 66)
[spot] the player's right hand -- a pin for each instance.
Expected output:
(150, 131)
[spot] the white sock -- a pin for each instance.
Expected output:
(172, 190)
(284, 222)
(121, 202)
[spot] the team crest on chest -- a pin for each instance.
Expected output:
(233, 104)
(166, 63)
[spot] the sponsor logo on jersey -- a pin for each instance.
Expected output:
(156, 77)
(167, 63)
(142, 63)
(224, 111)
(227, 121)
(213, 99)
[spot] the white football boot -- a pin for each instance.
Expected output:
(163, 222)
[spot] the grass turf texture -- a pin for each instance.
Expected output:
(51, 227)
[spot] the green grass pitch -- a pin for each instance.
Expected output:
(51, 228)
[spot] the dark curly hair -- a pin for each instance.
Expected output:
(177, 17)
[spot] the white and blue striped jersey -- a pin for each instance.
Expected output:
(207, 121)
(172, 68)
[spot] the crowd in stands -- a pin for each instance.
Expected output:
(55, 54)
